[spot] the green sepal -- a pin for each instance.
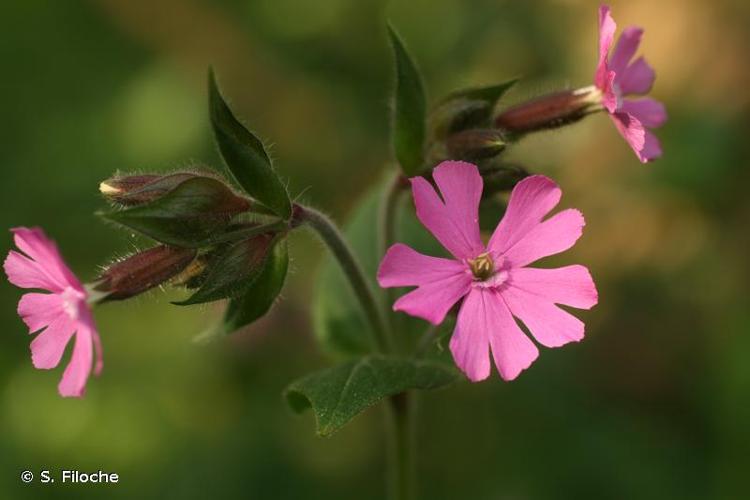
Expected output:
(233, 270)
(257, 299)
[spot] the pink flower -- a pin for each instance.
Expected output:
(618, 77)
(492, 279)
(61, 313)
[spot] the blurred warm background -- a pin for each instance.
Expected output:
(654, 404)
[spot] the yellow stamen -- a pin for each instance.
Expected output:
(482, 267)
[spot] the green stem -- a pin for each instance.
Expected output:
(389, 211)
(387, 220)
(400, 408)
(353, 271)
(401, 425)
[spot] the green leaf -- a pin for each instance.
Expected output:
(191, 214)
(233, 270)
(339, 324)
(245, 156)
(336, 395)
(257, 300)
(409, 110)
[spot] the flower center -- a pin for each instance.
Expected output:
(71, 301)
(482, 267)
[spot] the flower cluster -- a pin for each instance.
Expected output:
(223, 235)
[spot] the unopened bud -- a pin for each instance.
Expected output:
(549, 111)
(134, 190)
(476, 144)
(459, 114)
(502, 177)
(143, 271)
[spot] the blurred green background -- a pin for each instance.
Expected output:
(655, 403)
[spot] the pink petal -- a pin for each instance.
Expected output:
(650, 112)
(484, 318)
(73, 382)
(607, 29)
(441, 282)
(549, 324)
(25, 273)
(470, 343)
(651, 148)
(432, 301)
(638, 78)
(34, 243)
(511, 348)
(611, 99)
(48, 347)
(570, 285)
(454, 221)
(530, 201)
(87, 320)
(631, 129)
(625, 49)
(555, 235)
(38, 310)
(404, 266)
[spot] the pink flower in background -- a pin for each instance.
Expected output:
(62, 313)
(618, 76)
(492, 279)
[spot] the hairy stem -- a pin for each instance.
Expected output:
(352, 269)
(399, 408)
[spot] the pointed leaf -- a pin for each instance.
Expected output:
(467, 108)
(245, 156)
(489, 94)
(195, 211)
(409, 110)
(336, 395)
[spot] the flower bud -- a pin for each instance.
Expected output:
(502, 177)
(458, 114)
(143, 271)
(132, 190)
(476, 144)
(549, 111)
